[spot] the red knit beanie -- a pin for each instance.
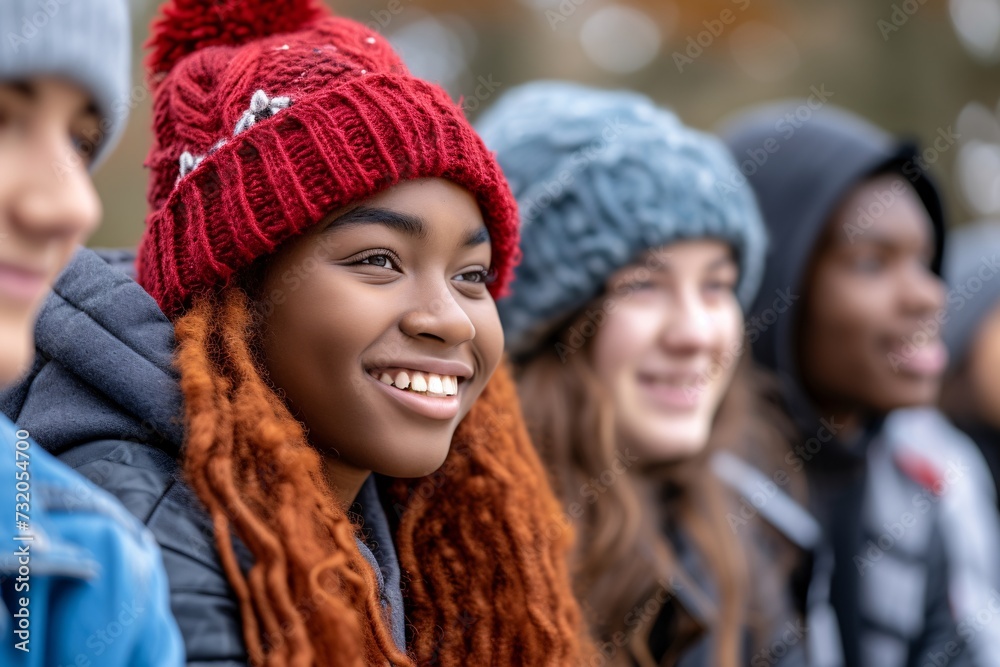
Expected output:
(269, 115)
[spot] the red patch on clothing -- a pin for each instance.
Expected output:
(921, 470)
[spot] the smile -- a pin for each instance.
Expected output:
(430, 384)
(431, 395)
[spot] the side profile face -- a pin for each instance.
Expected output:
(48, 204)
(383, 333)
(982, 363)
(869, 337)
(670, 345)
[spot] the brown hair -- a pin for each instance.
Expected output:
(622, 554)
(484, 582)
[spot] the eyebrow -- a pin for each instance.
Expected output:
(24, 89)
(368, 215)
(29, 91)
(478, 237)
(405, 223)
(721, 261)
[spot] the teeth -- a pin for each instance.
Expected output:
(402, 380)
(430, 383)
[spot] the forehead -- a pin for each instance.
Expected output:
(430, 211)
(685, 253)
(435, 195)
(884, 210)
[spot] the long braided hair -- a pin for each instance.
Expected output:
(482, 542)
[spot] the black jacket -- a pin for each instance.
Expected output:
(103, 397)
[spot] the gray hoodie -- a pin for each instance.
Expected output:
(894, 601)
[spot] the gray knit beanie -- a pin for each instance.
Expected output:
(972, 270)
(600, 177)
(85, 41)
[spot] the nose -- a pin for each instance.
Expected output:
(689, 328)
(438, 316)
(57, 199)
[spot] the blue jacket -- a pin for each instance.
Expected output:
(104, 397)
(81, 581)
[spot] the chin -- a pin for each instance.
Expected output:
(18, 353)
(407, 465)
(914, 394)
(675, 440)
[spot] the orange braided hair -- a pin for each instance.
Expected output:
(485, 573)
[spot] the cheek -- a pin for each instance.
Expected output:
(311, 342)
(984, 360)
(489, 339)
(620, 341)
(17, 345)
(729, 341)
(844, 318)
(729, 323)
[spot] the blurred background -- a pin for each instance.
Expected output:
(925, 69)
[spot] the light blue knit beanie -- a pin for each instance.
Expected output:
(88, 42)
(600, 177)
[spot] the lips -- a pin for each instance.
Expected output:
(927, 360)
(429, 388)
(672, 391)
(21, 284)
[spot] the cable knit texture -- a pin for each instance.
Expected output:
(601, 176)
(278, 118)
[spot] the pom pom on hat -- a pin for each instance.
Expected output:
(268, 116)
(189, 25)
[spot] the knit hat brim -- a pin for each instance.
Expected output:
(287, 173)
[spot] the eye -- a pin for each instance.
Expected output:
(480, 276)
(83, 147)
(720, 285)
(381, 258)
(85, 135)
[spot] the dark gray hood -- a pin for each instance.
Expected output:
(802, 161)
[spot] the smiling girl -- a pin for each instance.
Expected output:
(352, 484)
(626, 326)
